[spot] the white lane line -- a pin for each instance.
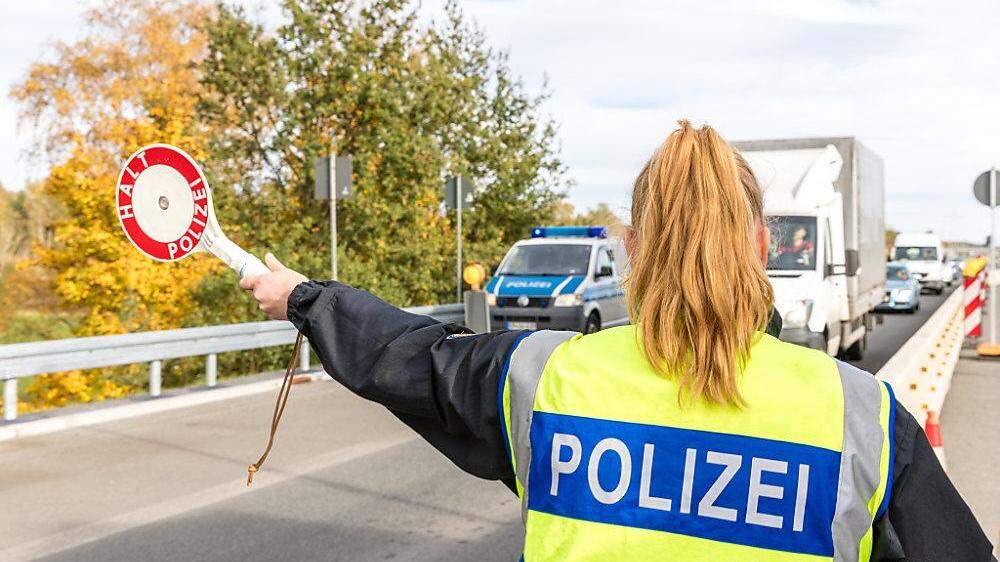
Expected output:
(100, 529)
(83, 419)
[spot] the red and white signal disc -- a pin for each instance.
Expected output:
(163, 202)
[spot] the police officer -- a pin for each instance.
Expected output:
(693, 434)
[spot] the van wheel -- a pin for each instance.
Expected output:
(593, 324)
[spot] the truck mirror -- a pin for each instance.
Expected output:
(604, 271)
(835, 269)
(851, 259)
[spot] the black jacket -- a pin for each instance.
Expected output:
(442, 381)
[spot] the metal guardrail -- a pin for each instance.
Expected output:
(52, 356)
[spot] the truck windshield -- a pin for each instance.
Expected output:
(547, 259)
(916, 253)
(793, 243)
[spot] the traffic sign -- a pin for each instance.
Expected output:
(343, 169)
(451, 190)
(321, 178)
(981, 188)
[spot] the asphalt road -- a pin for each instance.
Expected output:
(897, 327)
(346, 481)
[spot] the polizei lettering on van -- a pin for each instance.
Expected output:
(730, 488)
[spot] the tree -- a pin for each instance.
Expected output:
(890, 240)
(131, 80)
(601, 215)
(412, 103)
(26, 217)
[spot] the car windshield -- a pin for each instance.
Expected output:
(547, 259)
(898, 274)
(916, 253)
(793, 243)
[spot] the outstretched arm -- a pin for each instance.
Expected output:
(439, 379)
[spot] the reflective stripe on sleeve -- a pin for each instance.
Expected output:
(527, 362)
(860, 462)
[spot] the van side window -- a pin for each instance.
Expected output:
(604, 260)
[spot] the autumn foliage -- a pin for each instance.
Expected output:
(412, 101)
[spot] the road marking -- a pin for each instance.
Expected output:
(97, 530)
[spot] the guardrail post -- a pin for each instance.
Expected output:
(477, 312)
(304, 356)
(155, 377)
(211, 369)
(10, 399)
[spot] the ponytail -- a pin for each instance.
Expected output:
(697, 290)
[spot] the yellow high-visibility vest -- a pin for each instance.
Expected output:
(610, 465)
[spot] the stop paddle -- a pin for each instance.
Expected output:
(165, 208)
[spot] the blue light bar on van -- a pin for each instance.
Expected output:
(568, 231)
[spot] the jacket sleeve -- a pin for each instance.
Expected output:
(439, 379)
(927, 518)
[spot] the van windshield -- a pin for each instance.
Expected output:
(547, 259)
(916, 253)
(793, 243)
(896, 273)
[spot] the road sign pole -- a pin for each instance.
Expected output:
(333, 216)
(993, 270)
(458, 263)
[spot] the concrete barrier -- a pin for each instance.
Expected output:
(920, 372)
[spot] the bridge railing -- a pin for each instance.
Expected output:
(41, 357)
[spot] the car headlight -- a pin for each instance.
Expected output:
(491, 299)
(568, 300)
(797, 316)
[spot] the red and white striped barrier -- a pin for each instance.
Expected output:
(974, 290)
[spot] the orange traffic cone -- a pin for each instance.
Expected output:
(933, 430)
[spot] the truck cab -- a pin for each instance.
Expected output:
(923, 254)
(823, 199)
(805, 265)
(562, 278)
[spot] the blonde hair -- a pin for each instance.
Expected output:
(697, 290)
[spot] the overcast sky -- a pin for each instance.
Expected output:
(916, 81)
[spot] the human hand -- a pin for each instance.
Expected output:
(272, 289)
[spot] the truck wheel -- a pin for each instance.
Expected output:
(857, 350)
(593, 323)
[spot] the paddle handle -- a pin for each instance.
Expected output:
(243, 263)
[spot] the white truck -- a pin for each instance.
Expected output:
(824, 198)
(923, 254)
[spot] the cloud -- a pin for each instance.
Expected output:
(914, 80)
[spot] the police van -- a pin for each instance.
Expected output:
(562, 278)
